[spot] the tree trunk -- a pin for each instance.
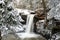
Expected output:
(44, 6)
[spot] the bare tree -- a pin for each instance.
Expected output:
(44, 6)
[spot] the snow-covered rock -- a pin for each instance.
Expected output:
(23, 11)
(2, 2)
(54, 12)
(53, 3)
(17, 28)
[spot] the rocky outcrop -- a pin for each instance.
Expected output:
(53, 3)
(54, 12)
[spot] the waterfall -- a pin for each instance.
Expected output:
(29, 23)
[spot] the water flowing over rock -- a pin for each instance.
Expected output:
(10, 17)
(17, 26)
(28, 34)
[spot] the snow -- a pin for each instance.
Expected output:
(10, 4)
(28, 33)
(2, 2)
(19, 27)
(54, 12)
(2, 10)
(23, 11)
(53, 3)
(4, 30)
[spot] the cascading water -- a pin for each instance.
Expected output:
(13, 25)
(28, 34)
(29, 23)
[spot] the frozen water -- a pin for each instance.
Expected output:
(17, 28)
(23, 11)
(2, 2)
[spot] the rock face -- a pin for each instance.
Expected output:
(53, 3)
(54, 12)
(55, 9)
